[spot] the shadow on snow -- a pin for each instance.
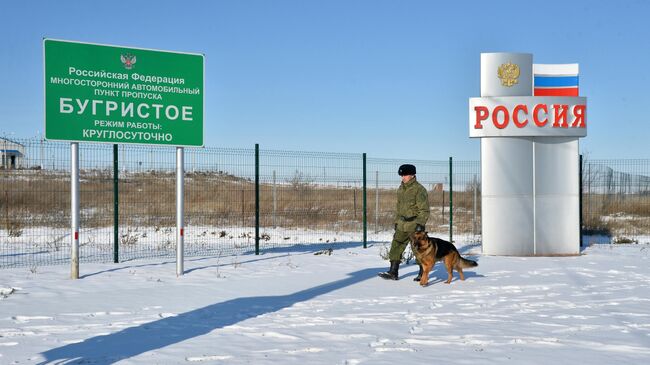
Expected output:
(133, 341)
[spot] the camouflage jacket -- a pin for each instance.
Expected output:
(412, 206)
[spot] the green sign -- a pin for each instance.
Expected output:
(100, 93)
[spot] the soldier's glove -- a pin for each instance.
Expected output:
(419, 228)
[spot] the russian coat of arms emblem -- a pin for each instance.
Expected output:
(128, 60)
(509, 74)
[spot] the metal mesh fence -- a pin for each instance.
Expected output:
(147, 201)
(219, 201)
(616, 199)
(310, 197)
(306, 198)
(467, 199)
(35, 205)
(383, 182)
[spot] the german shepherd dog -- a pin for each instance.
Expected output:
(429, 250)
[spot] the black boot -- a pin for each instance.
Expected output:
(417, 278)
(391, 274)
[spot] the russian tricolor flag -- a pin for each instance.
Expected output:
(555, 80)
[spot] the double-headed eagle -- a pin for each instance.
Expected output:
(509, 74)
(128, 60)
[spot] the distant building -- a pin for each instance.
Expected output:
(11, 153)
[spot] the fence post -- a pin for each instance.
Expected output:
(180, 211)
(275, 202)
(365, 217)
(116, 229)
(451, 202)
(74, 207)
(580, 201)
(257, 198)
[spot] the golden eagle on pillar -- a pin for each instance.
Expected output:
(509, 74)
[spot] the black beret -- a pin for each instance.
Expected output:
(406, 170)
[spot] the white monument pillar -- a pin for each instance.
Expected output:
(506, 178)
(529, 161)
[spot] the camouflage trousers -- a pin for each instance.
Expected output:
(398, 245)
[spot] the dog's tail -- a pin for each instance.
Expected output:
(465, 263)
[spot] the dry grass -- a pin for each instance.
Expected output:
(616, 214)
(35, 198)
(210, 199)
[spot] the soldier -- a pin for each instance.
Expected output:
(411, 216)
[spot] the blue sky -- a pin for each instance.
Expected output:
(389, 78)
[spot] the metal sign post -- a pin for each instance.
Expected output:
(116, 207)
(180, 195)
(74, 207)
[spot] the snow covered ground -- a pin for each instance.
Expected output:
(296, 307)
